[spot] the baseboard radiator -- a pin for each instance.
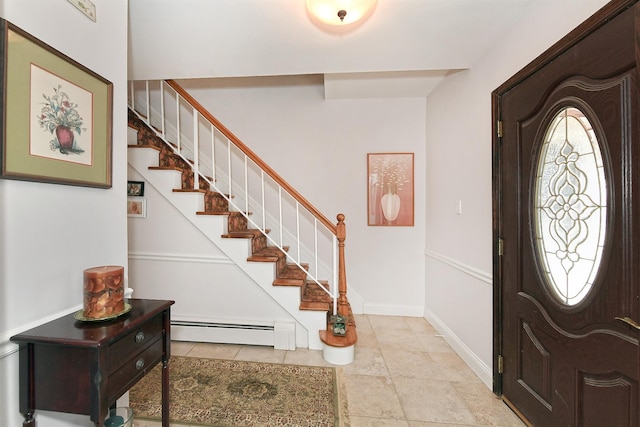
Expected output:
(280, 335)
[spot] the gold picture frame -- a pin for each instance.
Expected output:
(390, 189)
(56, 115)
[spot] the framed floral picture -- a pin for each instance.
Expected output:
(390, 196)
(56, 115)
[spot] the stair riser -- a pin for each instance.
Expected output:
(215, 202)
(237, 222)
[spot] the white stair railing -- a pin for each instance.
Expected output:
(229, 167)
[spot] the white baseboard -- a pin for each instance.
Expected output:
(484, 372)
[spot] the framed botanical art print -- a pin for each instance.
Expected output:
(56, 115)
(390, 195)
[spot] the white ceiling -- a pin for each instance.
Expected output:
(406, 46)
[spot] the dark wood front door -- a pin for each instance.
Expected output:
(567, 228)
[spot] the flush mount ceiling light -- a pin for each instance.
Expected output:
(340, 12)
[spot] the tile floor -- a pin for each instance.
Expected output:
(403, 375)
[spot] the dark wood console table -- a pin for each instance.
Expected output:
(80, 367)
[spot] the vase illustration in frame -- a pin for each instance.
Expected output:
(390, 191)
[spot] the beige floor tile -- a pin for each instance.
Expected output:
(367, 338)
(377, 422)
(389, 323)
(412, 364)
(215, 351)
(434, 401)
(434, 343)
(362, 323)
(399, 339)
(305, 357)
(486, 407)
(454, 368)
(370, 396)
(181, 348)
(367, 361)
(427, 424)
(255, 353)
(420, 325)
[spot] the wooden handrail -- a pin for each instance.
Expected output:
(253, 156)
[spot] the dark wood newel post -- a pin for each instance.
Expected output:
(341, 233)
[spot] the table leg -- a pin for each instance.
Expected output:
(165, 393)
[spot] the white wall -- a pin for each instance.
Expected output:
(50, 233)
(458, 247)
(320, 147)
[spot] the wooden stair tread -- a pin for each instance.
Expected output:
(244, 234)
(189, 190)
(165, 168)
(283, 281)
(291, 275)
(268, 254)
(213, 213)
(348, 340)
(314, 297)
(315, 306)
(144, 146)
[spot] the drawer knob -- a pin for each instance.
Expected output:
(140, 364)
(139, 337)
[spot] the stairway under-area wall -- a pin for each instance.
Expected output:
(307, 301)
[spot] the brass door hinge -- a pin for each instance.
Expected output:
(500, 364)
(499, 128)
(500, 247)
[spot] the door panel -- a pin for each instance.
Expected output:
(572, 364)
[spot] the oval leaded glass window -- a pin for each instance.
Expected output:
(570, 206)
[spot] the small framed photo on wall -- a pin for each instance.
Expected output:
(137, 207)
(135, 188)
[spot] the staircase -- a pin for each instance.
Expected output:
(171, 165)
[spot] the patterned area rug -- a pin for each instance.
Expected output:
(229, 393)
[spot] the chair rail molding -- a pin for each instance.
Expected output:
(483, 276)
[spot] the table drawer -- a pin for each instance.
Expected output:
(133, 342)
(133, 369)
